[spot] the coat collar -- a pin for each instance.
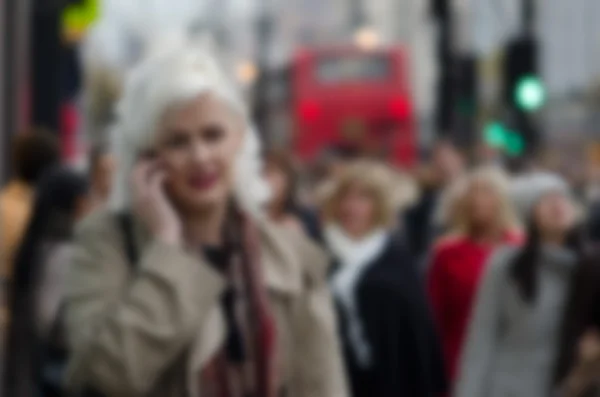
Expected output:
(281, 264)
(282, 267)
(352, 252)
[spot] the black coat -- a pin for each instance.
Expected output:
(419, 223)
(582, 313)
(406, 355)
(593, 224)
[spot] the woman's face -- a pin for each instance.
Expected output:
(482, 203)
(356, 212)
(279, 183)
(198, 146)
(555, 214)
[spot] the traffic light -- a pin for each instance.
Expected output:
(466, 86)
(465, 100)
(499, 136)
(494, 134)
(524, 91)
(515, 145)
(529, 93)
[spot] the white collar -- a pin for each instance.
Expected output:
(355, 257)
(351, 251)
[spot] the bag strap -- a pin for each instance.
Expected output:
(131, 250)
(125, 221)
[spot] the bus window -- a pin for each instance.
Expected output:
(352, 68)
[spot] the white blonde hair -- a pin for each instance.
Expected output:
(168, 77)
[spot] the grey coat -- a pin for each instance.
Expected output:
(511, 345)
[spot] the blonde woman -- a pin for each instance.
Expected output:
(388, 336)
(182, 288)
(481, 218)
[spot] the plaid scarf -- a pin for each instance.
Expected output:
(245, 366)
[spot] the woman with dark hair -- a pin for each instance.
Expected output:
(37, 288)
(33, 152)
(512, 344)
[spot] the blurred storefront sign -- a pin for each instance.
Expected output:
(77, 18)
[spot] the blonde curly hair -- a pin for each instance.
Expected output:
(390, 192)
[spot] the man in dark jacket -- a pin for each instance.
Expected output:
(446, 165)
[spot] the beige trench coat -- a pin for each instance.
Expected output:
(151, 332)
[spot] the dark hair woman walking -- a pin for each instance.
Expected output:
(512, 346)
(37, 288)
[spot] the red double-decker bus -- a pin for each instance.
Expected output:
(345, 96)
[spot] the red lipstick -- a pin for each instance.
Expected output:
(203, 182)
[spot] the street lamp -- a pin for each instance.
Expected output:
(366, 38)
(246, 72)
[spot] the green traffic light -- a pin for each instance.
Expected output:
(515, 145)
(494, 135)
(530, 94)
(497, 135)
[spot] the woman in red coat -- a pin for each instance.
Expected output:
(481, 218)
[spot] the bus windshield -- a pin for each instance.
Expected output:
(352, 68)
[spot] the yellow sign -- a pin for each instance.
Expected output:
(76, 18)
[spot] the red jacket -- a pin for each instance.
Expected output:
(454, 275)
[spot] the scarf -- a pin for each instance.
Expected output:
(245, 366)
(354, 256)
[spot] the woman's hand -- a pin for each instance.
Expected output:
(151, 203)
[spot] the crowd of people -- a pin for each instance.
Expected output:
(190, 261)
